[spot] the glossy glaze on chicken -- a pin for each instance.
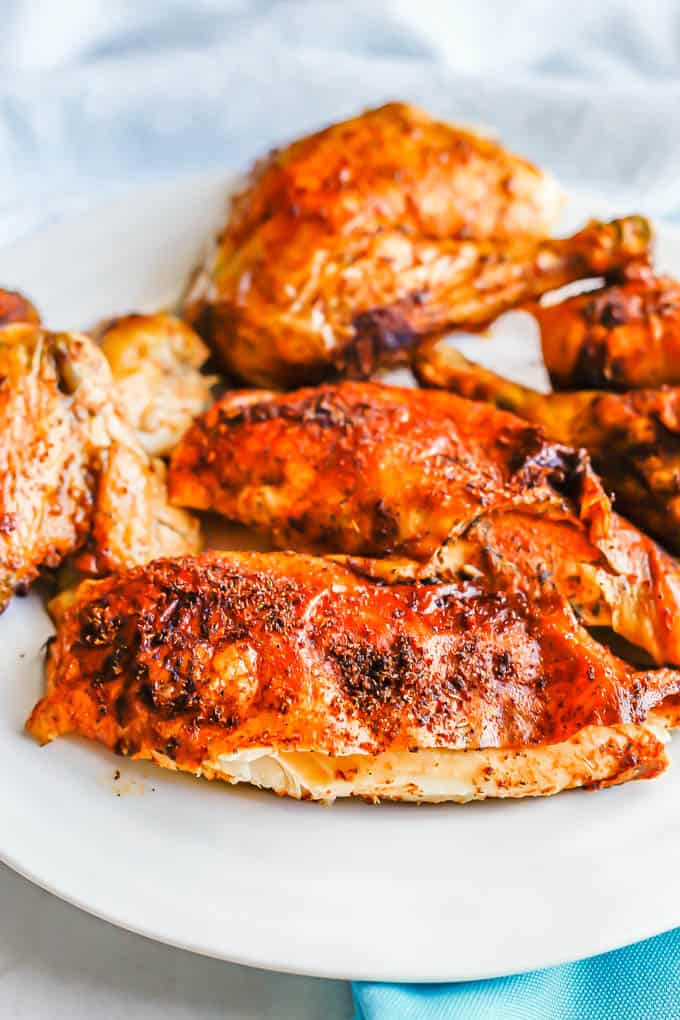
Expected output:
(373, 470)
(202, 663)
(347, 246)
(633, 438)
(620, 337)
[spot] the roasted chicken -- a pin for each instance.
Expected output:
(460, 487)
(156, 363)
(633, 438)
(348, 245)
(14, 307)
(623, 336)
(296, 674)
(73, 476)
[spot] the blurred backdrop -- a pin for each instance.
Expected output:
(96, 95)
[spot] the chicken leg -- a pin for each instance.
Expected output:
(633, 438)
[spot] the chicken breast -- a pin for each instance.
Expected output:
(348, 245)
(72, 474)
(296, 674)
(156, 363)
(373, 470)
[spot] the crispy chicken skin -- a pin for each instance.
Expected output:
(372, 470)
(156, 363)
(633, 438)
(73, 476)
(346, 246)
(396, 166)
(220, 663)
(623, 336)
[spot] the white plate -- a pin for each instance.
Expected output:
(389, 892)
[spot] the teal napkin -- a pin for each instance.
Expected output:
(640, 982)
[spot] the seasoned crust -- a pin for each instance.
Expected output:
(633, 438)
(371, 470)
(346, 246)
(619, 337)
(364, 468)
(184, 661)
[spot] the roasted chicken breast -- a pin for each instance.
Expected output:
(156, 363)
(373, 470)
(348, 245)
(622, 336)
(73, 476)
(633, 438)
(296, 674)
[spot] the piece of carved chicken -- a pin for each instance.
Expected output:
(633, 438)
(302, 676)
(346, 246)
(459, 487)
(73, 476)
(620, 337)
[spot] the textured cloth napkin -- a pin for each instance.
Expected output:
(641, 982)
(97, 97)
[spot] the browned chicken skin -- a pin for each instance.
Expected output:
(633, 438)
(371, 470)
(72, 474)
(202, 663)
(348, 245)
(623, 336)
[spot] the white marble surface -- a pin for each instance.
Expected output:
(58, 963)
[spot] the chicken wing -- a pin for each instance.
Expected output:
(348, 245)
(296, 674)
(156, 363)
(623, 336)
(72, 474)
(633, 438)
(373, 470)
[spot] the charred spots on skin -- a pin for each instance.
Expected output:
(154, 656)
(170, 748)
(380, 335)
(326, 408)
(503, 666)
(385, 526)
(8, 523)
(373, 677)
(123, 709)
(591, 369)
(97, 625)
(611, 308)
(536, 462)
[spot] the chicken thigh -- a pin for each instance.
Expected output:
(348, 245)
